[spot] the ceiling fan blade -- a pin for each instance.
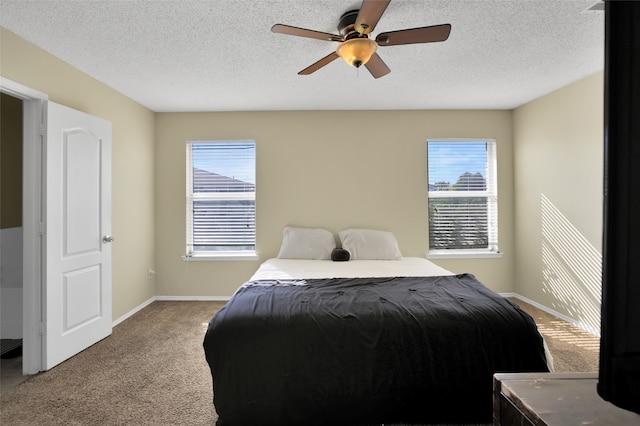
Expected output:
(321, 63)
(302, 32)
(370, 13)
(414, 35)
(377, 67)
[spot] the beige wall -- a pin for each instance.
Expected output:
(330, 169)
(558, 163)
(133, 158)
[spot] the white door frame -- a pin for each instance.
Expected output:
(33, 219)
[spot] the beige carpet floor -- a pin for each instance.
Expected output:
(152, 371)
(572, 348)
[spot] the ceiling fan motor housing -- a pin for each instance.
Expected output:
(346, 25)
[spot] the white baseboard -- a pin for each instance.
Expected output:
(555, 313)
(133, 311)
(194, 298)
(168, 298)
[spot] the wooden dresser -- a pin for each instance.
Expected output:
(554, 399)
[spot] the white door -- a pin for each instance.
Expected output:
(78, 228)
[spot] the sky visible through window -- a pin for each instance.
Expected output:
(447, 161)
(229, 160)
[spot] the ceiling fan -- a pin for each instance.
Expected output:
(354, 45)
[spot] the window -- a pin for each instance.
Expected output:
(221, 198)
(463, 197)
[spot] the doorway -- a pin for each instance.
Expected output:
(11, 231)
(32, 217)
(66, 222)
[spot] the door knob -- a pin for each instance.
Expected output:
(107, 239)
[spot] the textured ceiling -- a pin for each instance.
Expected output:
(220, 55)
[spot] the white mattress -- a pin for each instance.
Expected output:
(274, 269)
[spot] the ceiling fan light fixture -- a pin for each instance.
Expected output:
(357, 51)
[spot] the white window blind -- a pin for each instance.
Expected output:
(221, 214)
(463, 195)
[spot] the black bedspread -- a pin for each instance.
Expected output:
(365, 350)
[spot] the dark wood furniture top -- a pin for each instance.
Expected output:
(554, 399)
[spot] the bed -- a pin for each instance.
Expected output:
(364, 341)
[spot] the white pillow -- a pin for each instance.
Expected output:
(306, 243)
(369, 244)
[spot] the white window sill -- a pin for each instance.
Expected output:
(462, 254)
(218, 256)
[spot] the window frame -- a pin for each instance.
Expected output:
(191, 197)
(491, 194)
